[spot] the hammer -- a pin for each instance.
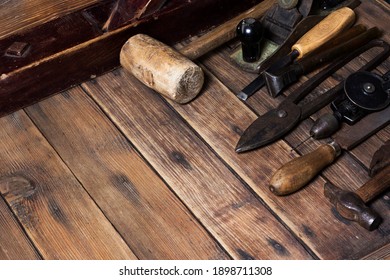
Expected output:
(172, 73)
(352, 205)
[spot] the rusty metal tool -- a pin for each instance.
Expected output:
(353, 205)
(277, 122)
(279, 79)
(331, 26)
(295, 174)
(364, 92)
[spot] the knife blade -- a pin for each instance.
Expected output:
(300, 171)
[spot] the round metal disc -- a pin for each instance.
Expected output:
(365, 90)
(287, 4)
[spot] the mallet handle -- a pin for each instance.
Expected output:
(223, 33)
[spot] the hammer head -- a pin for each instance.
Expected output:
(350, 206)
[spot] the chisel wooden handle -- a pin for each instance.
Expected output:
(328, 28)
(297, 173)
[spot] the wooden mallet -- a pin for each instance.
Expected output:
(171, 72)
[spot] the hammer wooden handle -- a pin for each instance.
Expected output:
(328, 28)
(297, 173)
(222, 33)
(375, 186)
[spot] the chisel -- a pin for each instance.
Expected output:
(317, 37)
(297, 173)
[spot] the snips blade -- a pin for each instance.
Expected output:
(269, 127)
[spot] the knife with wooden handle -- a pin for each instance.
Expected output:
(294, 175)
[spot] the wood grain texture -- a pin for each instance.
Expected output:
(219, 200)
(14, 244)
(16, 16)
(151, 219)
(58, 215)
(381, 254)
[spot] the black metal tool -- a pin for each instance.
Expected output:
(365, 92)
(280, 79)
(250, 32)
(278, 122)
(327, 29)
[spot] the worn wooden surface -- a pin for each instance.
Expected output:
(17, 16)
(110, 169)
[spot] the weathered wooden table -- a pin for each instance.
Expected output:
(111, 170)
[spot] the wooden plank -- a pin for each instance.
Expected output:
(151, 219)
(14, 244)
(17, 16)
(58, 215)
(218, 199)
(381, 254)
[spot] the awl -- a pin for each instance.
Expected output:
(319, 35)
(297, 173)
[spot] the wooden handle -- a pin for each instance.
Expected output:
(375, 186)
(222, 33)
(328, 28)
(297, 173)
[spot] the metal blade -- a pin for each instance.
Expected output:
(259, 82)
(269, 127)
(250, 89)
(351, 136)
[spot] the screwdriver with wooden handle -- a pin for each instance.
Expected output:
(294, 175)
(316, 39)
